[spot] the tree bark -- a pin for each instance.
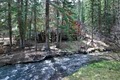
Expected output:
(58, 32)
(20, 23)
(92, 9)
(30, 25)
(99, 17)
(9, 22)
(26, 13)
(35, 24)
(47, 46)
(114, 14)
(79, 18)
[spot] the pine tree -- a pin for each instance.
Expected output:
(9, 22)
(47, 46)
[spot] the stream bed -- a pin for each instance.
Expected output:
(50, 69)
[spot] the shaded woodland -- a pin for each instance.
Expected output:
(57, 37)
(56, 21)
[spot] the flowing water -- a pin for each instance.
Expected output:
(50, 69)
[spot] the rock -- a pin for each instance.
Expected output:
(6, 47)
(6, 43)
(82, 52)
(97, 49)
(29, 43)
(1, 50)
(4, 60)
(18, 58)
(1, 42)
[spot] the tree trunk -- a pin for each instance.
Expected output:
(99, 17)
(20, 23)
(9, 22)
(79, 18)
(114, 14)
(47, 46)
(35, 24)
(30, 25)
(105, 15)
(63, 14)
(82, 12)
(26, 13)
(92, 17)
(118, 12)
(58, 32)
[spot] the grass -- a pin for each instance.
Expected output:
(104, 70)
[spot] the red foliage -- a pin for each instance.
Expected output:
(77, 26)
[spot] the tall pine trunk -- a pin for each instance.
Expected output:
(47, 46)
(35, 24)
(92, 18)
(118, 12)
(26, 18)
(79, 18)
(114, 14)
(9, 22)
(99, 17)
(58, 32)
(20, 23)
(105, 15)
(30, 25)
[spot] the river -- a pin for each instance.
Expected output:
(50, 69)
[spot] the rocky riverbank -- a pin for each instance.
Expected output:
(30, 56)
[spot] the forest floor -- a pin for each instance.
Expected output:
(67, 48)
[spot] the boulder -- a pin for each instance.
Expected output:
(96, 49)
(1, 50)
(6, 43)
(1, 42)
(6, 47)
